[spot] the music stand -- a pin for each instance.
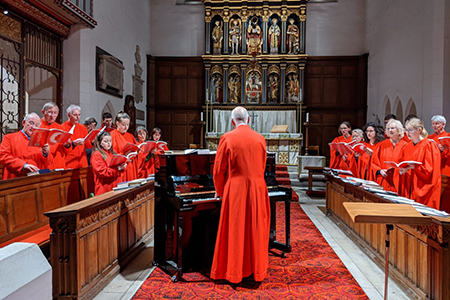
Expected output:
(389, 214)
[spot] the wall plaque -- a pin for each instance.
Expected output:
(109, 73)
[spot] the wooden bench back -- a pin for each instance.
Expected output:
(24, 200)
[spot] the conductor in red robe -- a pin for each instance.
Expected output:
(243, 236)
(19, 158)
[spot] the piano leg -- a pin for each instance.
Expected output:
(179, 234)
(287, 213)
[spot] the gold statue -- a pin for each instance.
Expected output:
(254, 36)
(234, 86)
(293, 41)
(274, 36)
(217, 37)
(235, 36)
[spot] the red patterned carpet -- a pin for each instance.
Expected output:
(282, 177)
(311, 271)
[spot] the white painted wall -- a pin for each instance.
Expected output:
(407, 44)
(122, 25)
(177, 30)
(336, 28)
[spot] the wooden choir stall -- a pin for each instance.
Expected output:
(419, 256)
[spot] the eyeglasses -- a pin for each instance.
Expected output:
(391, 128)
(410, 130)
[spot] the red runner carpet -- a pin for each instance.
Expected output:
(282, 177)
(311, 271)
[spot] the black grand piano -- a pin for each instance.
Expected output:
(187, 215)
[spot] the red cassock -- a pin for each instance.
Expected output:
(386, 151)
(15, 153)
(76, 156)
(105, 178)
(57, 150)
(243, 235)
(151, 166)
(445, 170)
(118, 141)
(423, 183)
(335, 160)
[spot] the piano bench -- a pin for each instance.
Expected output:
(40, 236)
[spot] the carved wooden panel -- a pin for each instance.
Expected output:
(179, 89)
(3, 217)
(336, 91)
(52, 198)
(22, 210)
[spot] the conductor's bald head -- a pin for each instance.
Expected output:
(239, 115)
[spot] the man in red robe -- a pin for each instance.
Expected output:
(243, 236)
(76, 154)
(50, 112)
(19, 158)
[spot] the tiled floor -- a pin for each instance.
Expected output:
(368, 275)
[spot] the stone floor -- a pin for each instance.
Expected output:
(368, 275)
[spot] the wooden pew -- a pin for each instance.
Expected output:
(24, 200)
(419, 255)
(94, 238)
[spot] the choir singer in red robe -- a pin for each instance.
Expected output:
(19, 158)
(241, 250)
(50, 112)
(345, 131)
(76, 155)
(421, 183)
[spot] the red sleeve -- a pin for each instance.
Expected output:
(100, 167)
(10, 161)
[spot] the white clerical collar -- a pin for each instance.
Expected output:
(240, 124)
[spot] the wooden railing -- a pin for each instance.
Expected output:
(419, 255)
(93, 238)
(24, 200)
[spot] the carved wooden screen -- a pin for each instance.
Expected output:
(11, 77)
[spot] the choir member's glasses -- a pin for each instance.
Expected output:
(411, 130)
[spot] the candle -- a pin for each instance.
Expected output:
(201, 117)
(301, 96)
(307, 117)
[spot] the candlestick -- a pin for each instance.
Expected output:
(201, 117)
(307, 117)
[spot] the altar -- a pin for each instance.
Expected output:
(287, 146)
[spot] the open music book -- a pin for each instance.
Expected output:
(403, 164)
(148, 146)
(119, 159)
(445, 141)
(93, 134)
(347, 148)
(42, 136)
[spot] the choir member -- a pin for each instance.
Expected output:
(241, 249)
(373, 134)
(388, 150)
(155, 135)
(345, 131)
(76, 155)
(50, 112)
(105, 177)
(421, 183)
(352, 161)
(90, 123)
(408, 117)
(107, 120)
(120, 137)
(17, 157)
(145, 160)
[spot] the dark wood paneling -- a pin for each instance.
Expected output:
(336, 91)
(179, 89)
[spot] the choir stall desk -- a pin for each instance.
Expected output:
(383, 213)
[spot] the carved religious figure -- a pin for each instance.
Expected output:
(293, 37)
(292, 88)
(235, 36)
(234, 87)
(254, 36)
(217, 37)
(253, 87)
(273, 88)
(274, 36)
(218, 88)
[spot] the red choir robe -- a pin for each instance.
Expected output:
(243, 235)
(118, 141)
(444, 154)
(57, 150)
(335, 160)
(105, 178)
(151, 166)
(76, 156)
(15, 153)
(445, 170)
(386, 151)
(423, 183)
(359, 165)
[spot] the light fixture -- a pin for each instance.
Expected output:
(5, 12)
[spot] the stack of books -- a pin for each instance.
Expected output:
(130, 184)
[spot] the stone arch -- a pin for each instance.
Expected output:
(398, 109)
(387, 106)
(109, 108)
(411, 108)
